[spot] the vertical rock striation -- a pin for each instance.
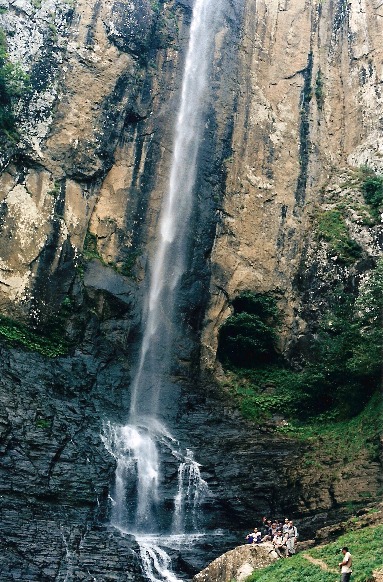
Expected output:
(309, 105)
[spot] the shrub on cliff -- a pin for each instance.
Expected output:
(13, 84)
(332, 228)
(248, 338)
(372, 188)
(339, 377)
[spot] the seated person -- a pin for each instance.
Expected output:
(254, 537)
(271, 532)
(279, 543)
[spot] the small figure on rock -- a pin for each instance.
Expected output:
(279, 543)
(291, 534)
(345, 565)
(271, 532)
(254, 537)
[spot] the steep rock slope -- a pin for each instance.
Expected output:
(309, 105)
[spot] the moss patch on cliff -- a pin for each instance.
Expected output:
(365, 546)
(90, 250)
(335, 441)
(18, 334)
(13, 84)
(332, 228)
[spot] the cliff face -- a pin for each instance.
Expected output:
(292, 106)
(277, 144)
(308, 107)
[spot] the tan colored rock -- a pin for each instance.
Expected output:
(238, 564)
(282, 128)
(25, 232)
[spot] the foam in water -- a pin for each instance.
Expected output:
(192, 490)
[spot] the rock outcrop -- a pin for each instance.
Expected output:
(238, 564)
(55, 474)
(307, 107)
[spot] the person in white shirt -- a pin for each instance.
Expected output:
(345, 565)
(285, 525)
(254, 537)
(291, 536)
(279, 543)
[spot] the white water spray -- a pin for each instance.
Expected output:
(139, 446)
(192, 490)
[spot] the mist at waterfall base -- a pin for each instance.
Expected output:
(159, 493)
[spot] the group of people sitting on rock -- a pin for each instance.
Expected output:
(282, 535)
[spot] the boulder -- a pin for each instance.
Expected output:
(238, 563)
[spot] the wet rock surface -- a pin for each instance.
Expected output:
(55, 476)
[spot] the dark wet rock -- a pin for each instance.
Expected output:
(100, 277)
(130, 26)
(55, 475)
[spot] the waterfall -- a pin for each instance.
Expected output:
(139, 446)
(192, 490)
(168, 265)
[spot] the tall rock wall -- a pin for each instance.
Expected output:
(309, 106)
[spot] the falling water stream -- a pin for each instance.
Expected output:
(139, 446)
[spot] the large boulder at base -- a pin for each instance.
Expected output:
(238, 564)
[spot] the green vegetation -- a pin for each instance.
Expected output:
(332, 228)
(52, 29)
(370, 183)
(90, 250)
(55, 190)
(319, 93)
(342, 440)
(372, 188)
(13, 84)
(18, 334)
(365, 546)
(249, 337)
(155, 5)
(43, 423)
(128, 265)
(295, 569)
(336, 381)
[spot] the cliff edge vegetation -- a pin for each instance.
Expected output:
(320, 564)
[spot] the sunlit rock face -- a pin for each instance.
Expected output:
(295, 99)
(308, 105)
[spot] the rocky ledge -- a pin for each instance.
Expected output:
(238, 564)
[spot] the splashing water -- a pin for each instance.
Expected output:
(192, 490)
(135, 498)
